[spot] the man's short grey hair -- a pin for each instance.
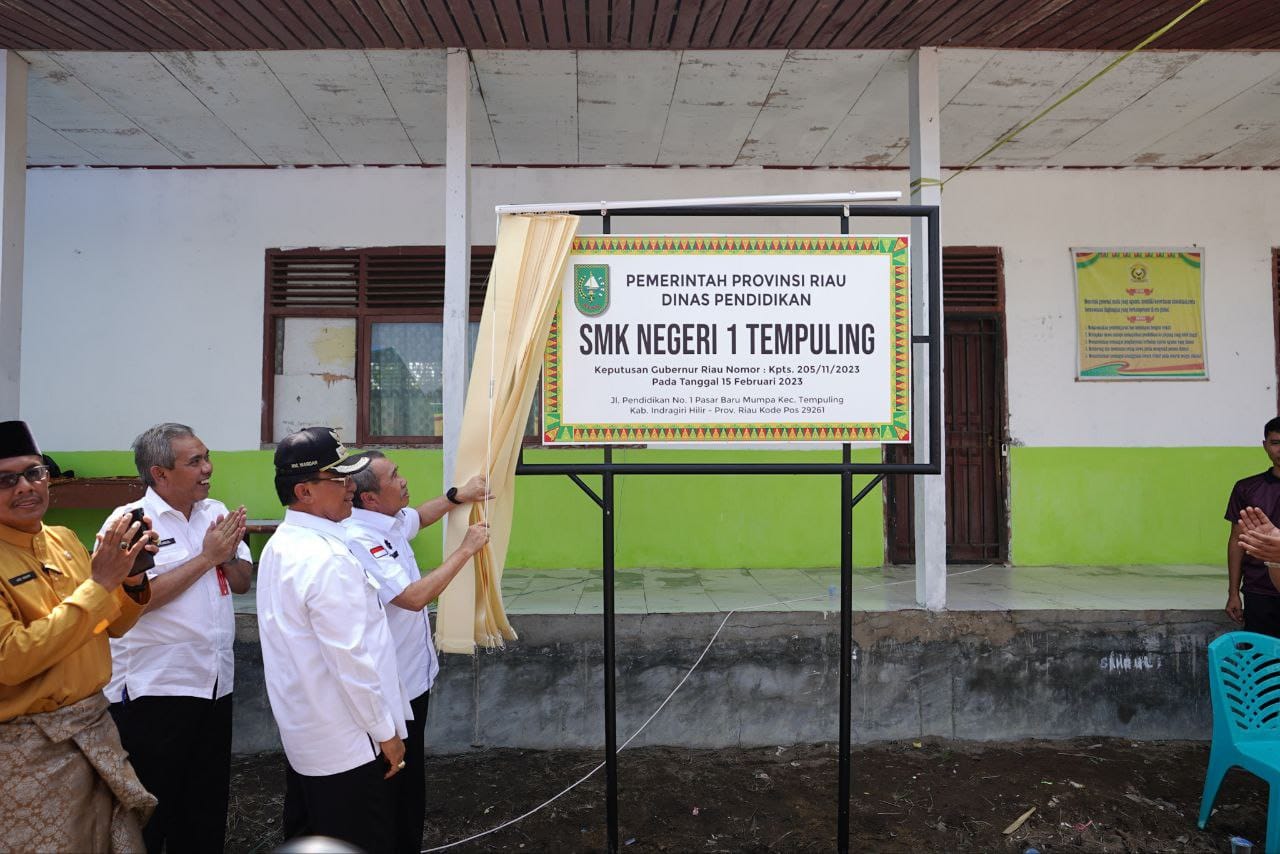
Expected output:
(154, 447)
(366, 479)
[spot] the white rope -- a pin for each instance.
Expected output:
(493, 351)
(663, 705)
(488, 437)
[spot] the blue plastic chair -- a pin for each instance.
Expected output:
(1244, 687)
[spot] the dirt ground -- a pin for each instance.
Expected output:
(1090, 795)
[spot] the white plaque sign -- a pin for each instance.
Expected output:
(695, 338)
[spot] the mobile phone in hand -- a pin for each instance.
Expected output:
(145, 559)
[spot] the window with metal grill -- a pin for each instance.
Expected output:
(352, 340)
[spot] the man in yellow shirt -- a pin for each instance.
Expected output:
(67, 784)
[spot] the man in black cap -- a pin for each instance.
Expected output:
(67, 785)
(327, 654)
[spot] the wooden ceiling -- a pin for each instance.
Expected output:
(221, 25)
(758, 108)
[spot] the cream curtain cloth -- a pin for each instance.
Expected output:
(524, 286)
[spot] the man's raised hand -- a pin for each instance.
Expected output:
(477, 535)
(115, 551)
(476, 489)
(223, 537)
(1258, 536)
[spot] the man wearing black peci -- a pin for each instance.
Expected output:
(67, 784)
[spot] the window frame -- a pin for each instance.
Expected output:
(364, 316)
(1275, 314)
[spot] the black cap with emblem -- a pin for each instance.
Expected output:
(16, 440)
(314, 450)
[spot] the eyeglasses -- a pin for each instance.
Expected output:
(35, 474)
(341, 481)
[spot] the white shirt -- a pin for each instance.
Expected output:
(184, 647)
(381, 543)
(327, 653)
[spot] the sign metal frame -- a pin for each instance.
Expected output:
(608, 470)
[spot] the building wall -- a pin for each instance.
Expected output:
(144, 292)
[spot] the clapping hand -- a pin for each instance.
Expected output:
(223, 537)
(1258, 536)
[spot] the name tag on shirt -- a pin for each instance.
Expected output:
(166, 542)
(22, 579)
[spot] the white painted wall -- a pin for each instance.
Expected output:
(160, 274)
(1036, 217)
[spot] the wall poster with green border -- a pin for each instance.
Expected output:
(1139, 314)
(716, 338)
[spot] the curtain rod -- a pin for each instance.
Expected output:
(714, 201)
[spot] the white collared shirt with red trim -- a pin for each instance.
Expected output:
(184, 647)
(381, 543)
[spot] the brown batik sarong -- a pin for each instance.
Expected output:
(67, 784)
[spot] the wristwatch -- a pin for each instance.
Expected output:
(452, 495)
(137, 588)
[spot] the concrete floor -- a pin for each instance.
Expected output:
(969, 588)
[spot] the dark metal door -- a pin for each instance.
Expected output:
(974, 404)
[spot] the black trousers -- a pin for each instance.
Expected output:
(1262, 614)
(411, 783)
(181, 749)
(356, 806)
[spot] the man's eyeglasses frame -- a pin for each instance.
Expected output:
(33, 475)
(341, 480)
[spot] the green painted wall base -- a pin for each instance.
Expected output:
(729, 521)
(1116, 506)
(1068, 506)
